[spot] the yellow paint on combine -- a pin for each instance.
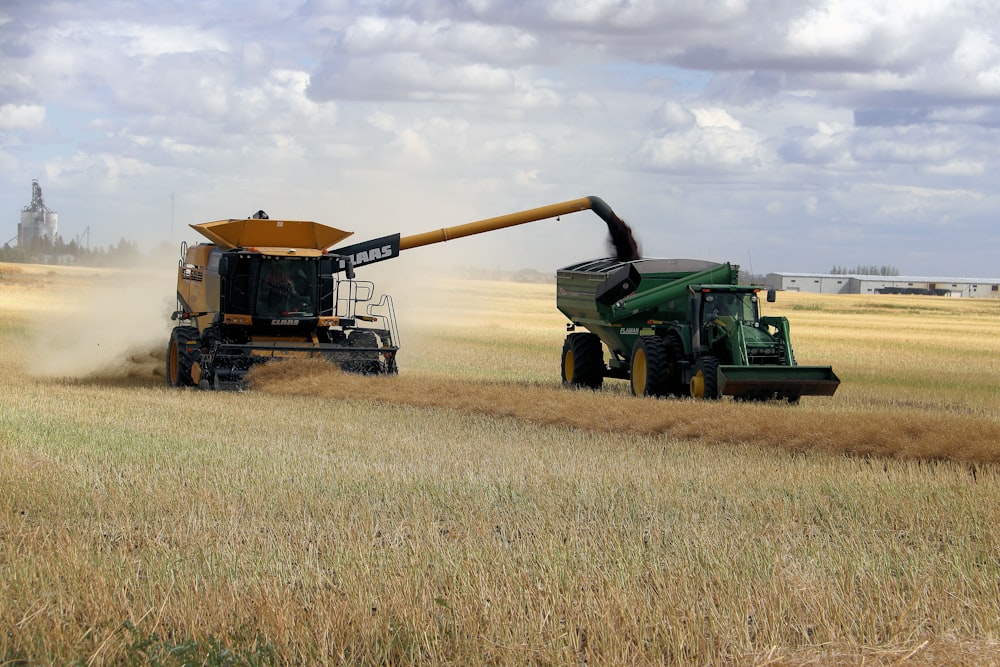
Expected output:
(490, 224)
(244, 320)
(287, 251)
(278, 236)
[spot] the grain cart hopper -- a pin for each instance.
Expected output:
(265, 288)
(679, 327)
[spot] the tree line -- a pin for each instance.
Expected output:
(865, 271)
(55, 251)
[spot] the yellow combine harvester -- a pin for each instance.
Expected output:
(264, 288)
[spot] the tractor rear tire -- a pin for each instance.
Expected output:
(650, 370)
(182, 352)
(583, 361)
(675, 356)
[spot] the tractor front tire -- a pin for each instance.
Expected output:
(182, 353)
(650, 368)
(705, 383)
(583, 361)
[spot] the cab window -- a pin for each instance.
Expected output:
(287, 288)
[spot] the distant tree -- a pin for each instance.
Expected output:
(747, 278)
(39, 250)
(13, 255)
(865, 270)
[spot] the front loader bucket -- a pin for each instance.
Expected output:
(780, 381)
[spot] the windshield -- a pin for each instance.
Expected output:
(742, 307)
(287, 288)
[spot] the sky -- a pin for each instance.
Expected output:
(781, 135)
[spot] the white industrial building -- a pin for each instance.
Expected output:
(828, 283)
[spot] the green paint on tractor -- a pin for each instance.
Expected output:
(679, 327)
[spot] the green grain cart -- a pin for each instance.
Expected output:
(679, 327)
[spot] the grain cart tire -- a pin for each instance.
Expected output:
(675, 355)
(650, 369)
(182, 353)
(583, 361)
(705, 383)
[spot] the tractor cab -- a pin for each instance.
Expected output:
(727, 307)
(729, 325)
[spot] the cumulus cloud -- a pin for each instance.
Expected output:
(474, 40)
(409, 75)
(715, 141)
(101, 172)
(847, 114)
(825, 144)
(21, 116)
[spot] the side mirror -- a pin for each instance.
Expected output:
(771, 296)
(349, 267)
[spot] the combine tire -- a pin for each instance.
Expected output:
(390, 367)
(650, 370)
(583, 361)
(367, 362)
(705, 383)
(182, 353)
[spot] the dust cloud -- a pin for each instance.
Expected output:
(114, 325)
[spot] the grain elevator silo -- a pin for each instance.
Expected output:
(37, 221)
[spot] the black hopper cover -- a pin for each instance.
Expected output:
(619, 284)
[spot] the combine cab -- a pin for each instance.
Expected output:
(677, 327)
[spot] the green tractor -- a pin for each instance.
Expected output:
(679, 327)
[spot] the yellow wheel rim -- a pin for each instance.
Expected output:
(639, 373)
(568, 363)
(698, 385)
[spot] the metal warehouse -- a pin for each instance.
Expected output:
(828, 283)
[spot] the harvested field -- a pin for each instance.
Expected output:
(920, 432)
(471, 511)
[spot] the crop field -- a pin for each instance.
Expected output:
(473, 511)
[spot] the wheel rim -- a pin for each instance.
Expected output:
(568, 363)
(639, 372)
(698, 385)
